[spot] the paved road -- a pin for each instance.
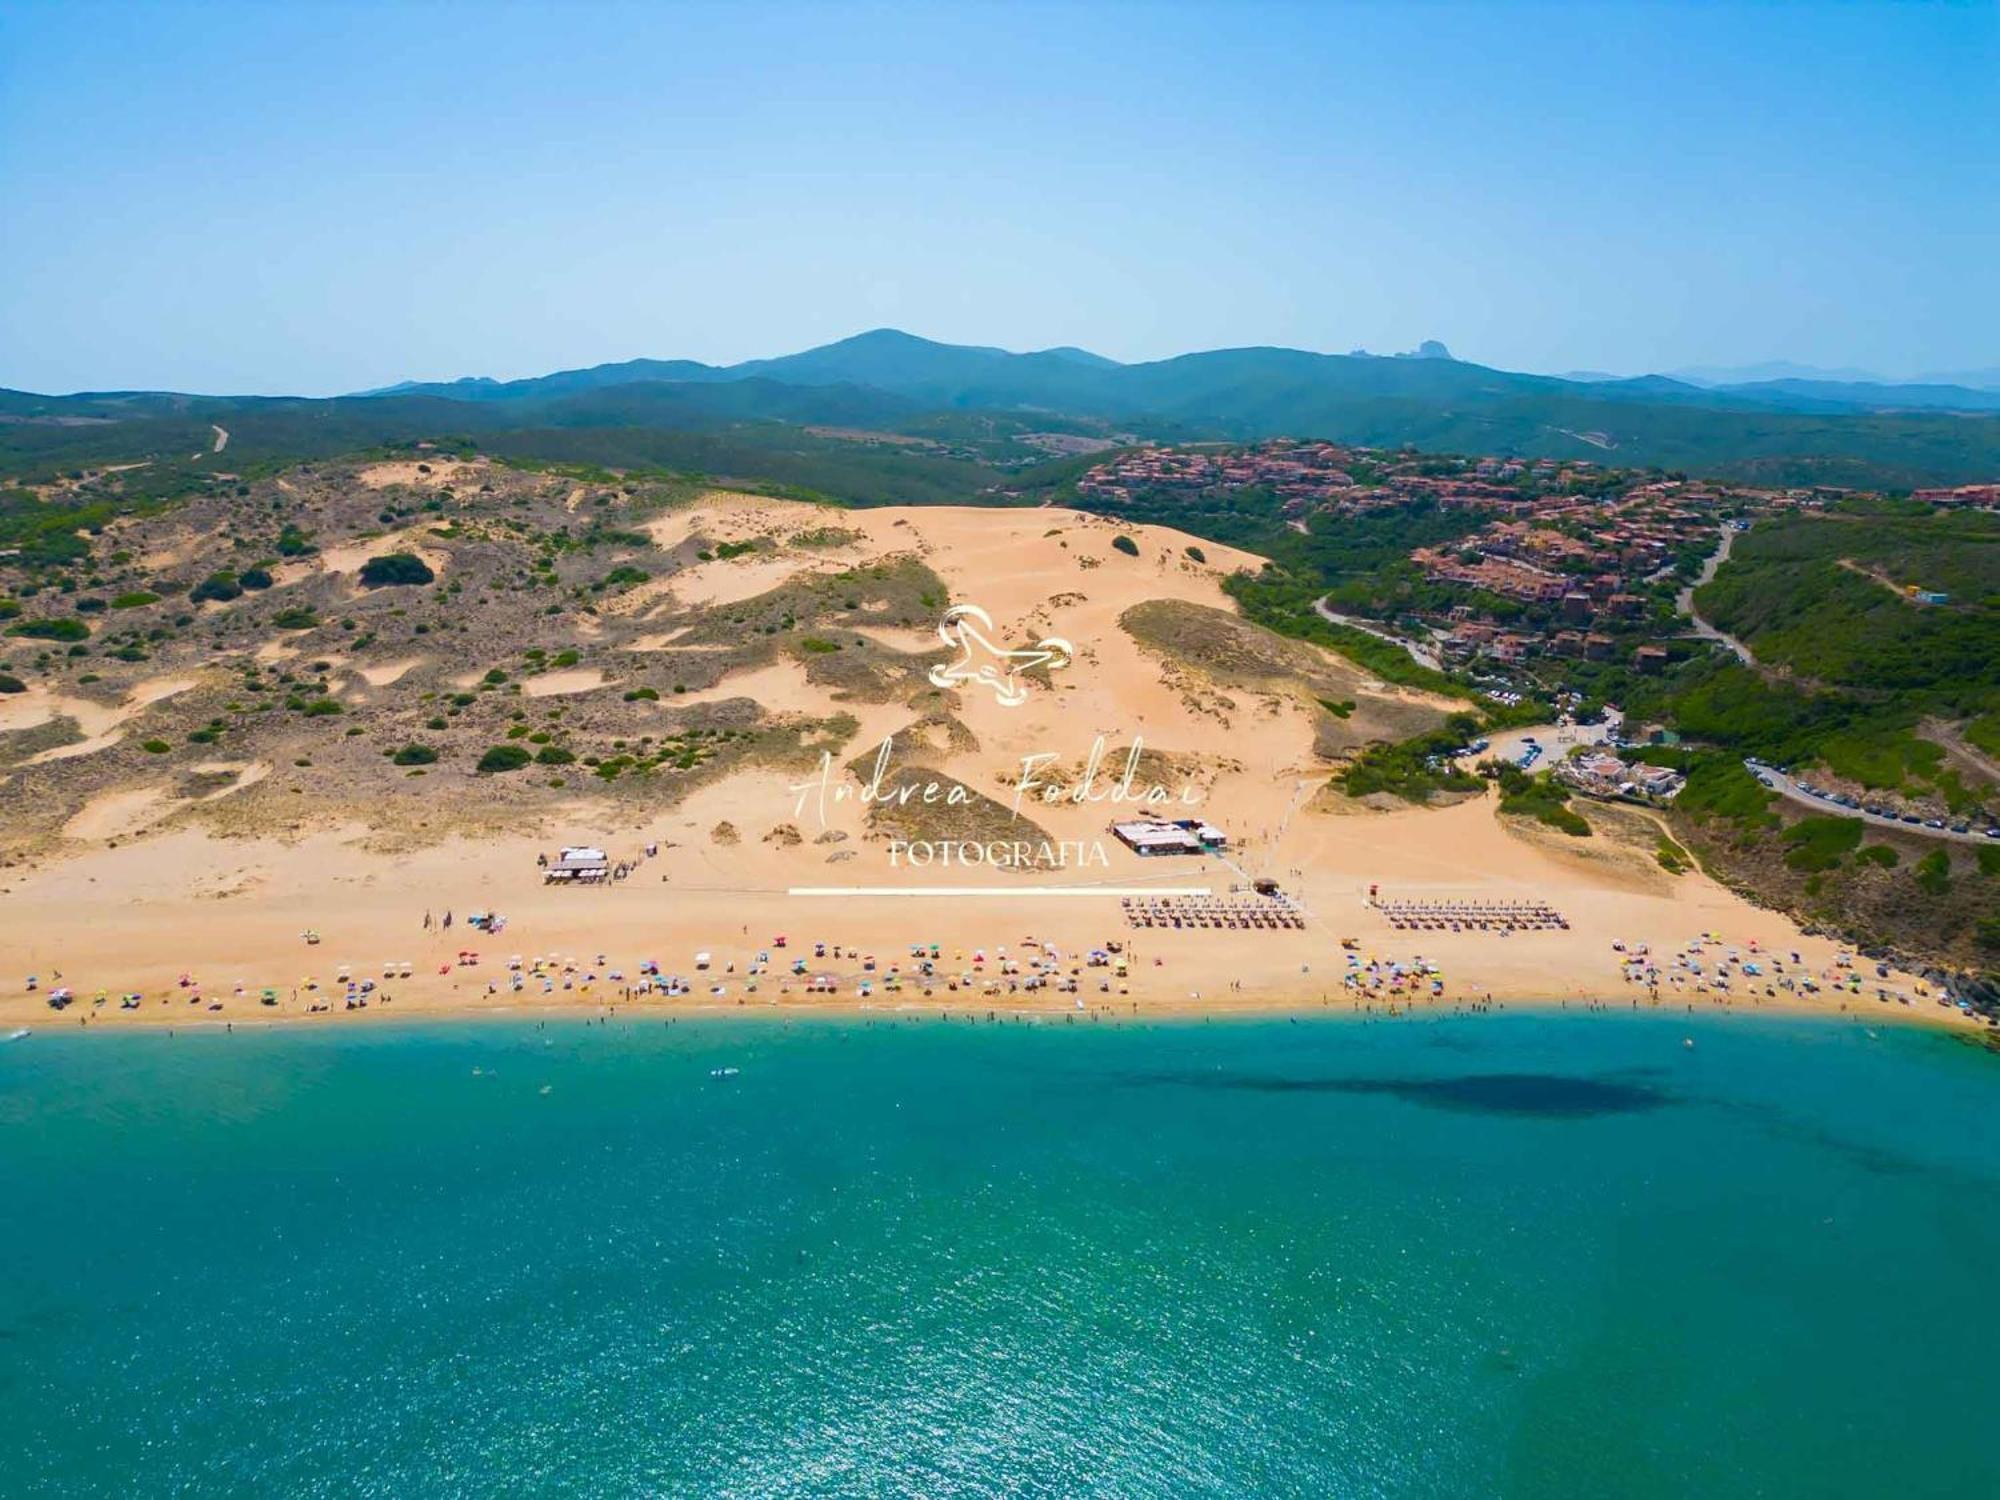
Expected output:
(1685, 603)
(1788, 788)
(1423, 656)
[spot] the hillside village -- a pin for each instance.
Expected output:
(1562, 558)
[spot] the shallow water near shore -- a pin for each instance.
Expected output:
(1517, 1255)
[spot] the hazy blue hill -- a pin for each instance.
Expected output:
(1080, 356)
(1781, 432)
(659, 404)
(945, 374)
(596, 377)
(1870, 396)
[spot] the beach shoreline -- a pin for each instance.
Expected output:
(957, 1007)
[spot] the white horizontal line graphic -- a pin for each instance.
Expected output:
(1008, 891)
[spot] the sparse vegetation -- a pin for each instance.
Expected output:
(396, 569)
(503, 758)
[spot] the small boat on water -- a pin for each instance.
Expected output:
(19, 1033)
(723, 1072)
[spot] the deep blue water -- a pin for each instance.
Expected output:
(1520, 1256)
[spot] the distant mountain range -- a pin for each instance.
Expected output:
(1787, 428)
(1222, 385)
(1987, 379)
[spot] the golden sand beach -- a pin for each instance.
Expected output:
(199, 901)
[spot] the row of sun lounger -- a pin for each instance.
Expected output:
(1260, 912)
(1473, 916)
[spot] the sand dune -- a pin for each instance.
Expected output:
(559, 683)
(1244, 742)
(384, 673)
(349, 557)
(102, 724)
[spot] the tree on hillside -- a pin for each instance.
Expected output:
(393, 568)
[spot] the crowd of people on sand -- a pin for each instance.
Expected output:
(1706, 968)
(923, 968)
(1719, 972)
(1240, 913)
(1503, 917)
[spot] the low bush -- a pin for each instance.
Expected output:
(219, 587)
(1819, 843)
(51, 630)
(1933, 872)
(503, 758)
(396, 569)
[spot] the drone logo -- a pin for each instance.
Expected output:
(968, 630)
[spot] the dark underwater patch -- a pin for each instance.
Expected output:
(1548, 1096)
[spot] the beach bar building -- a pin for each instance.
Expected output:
(1147, 839)
(578, 864)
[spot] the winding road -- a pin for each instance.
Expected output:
(1423, 656)
(1788, 788)
(1685, 602)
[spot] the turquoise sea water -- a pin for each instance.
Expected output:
(1525, 1256)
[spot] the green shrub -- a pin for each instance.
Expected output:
(1539, 798)
(1989, 854)
(554, 755)
(220, 587)
(155, 747)
(1413, 769)
(256, 578)
(1197, 554)
(393, 569)
(643, 695)
(298, 618)
(1818, 843)
(51, 630)
(321, 708)
(293, 542)
(137, 599)
(415, 755)
(1126, 545)
(1719, 787)
(9, 683)
(503, 758)
(816, 646)
(1933, 872)
(1883, 857)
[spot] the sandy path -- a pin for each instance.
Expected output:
(101, 724)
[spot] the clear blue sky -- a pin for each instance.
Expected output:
(318, 198)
